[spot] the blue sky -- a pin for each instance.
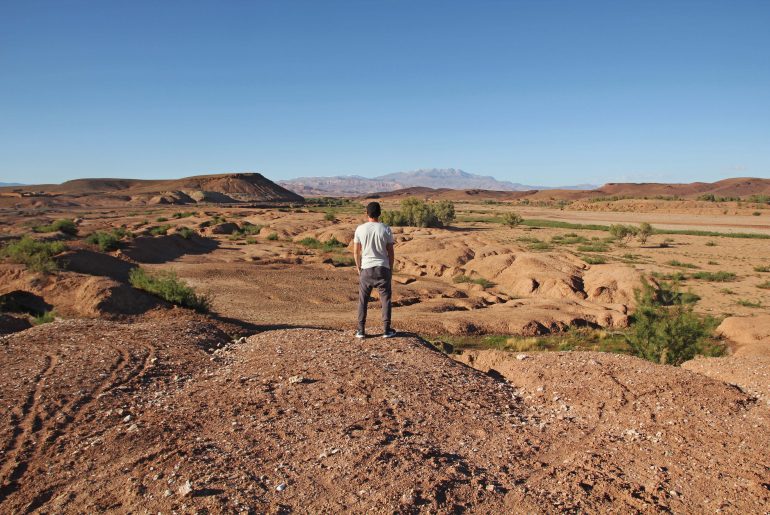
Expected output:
(539, 92)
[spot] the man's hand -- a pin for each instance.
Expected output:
(357, 256)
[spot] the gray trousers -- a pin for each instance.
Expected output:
(376, 277)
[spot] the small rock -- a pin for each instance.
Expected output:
(297, 380)
(281, 487)
(185, 489)
(522, 357)
(168, 493)
(127, 419)
(132, 428)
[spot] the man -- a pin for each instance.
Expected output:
(374, 255)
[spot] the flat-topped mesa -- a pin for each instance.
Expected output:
(217, 188)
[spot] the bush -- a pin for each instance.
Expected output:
(718, 277)
(445, 212)
(762, 268)
(160, 230)
(644, 231)
(106, 241)
(512, 219)
(484, 283)
(169, 287)
(749, 304)
(593, 247)
(250, 229)
(329, 216)
(680, 264)
(35, 255)
(273, 236)
(161, 219)
(669, 334)
(594, 260)
(185, 214)
(185, 232)
(45, 318)
(64, 226)
(327, 246)
(418, 213)
(623, 233)
(765, 285)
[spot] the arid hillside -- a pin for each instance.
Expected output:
(221, 188)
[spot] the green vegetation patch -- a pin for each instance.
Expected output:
(169, 287)
(718, 277)
(680, 264)
(37, 256)
(593, 260)
(326, 246)
(762, 268)
(64, 226)
(484, 283)
(418, 213)
(45, 318)
(749, 303)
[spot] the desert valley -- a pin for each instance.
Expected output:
(187, 346)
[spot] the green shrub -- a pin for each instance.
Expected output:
(765, 285)
(594, 260)
(185, 214)
(594, 247)
(329, 216)
(756, 213)
(185, 232)
(680, 264)
(762, 268)
(273, 236)
(169, 287)
(251, 229)
(643, 233)
(35, 255)
(160, 230)
(670, 334)
(718, 277)
(413, 213)
(484, 283)
(445, 212)
(623, 233)
(45, 318)
(749, 304)
(512, 219)
(161, 219)
(326, 246)
(64, 226)
(568, 239)
(711, 244)
(106, 241)
(539, 246)
(343, 261)
(675, 276)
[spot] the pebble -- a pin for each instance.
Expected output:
(522, 357)
(185, 489)
(127, 419)
(296, 379)
(281, 487)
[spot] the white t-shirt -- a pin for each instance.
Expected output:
(374, 238)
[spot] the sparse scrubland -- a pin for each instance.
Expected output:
(36, 255)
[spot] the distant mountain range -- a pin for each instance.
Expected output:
(352, 185)
(3, 184)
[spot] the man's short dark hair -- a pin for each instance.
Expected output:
(373, 210)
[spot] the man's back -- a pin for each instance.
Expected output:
(374, 238)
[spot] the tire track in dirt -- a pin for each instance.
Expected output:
(13, 467)
(50, 428)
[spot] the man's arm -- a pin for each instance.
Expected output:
(391, 255)
(357, 256)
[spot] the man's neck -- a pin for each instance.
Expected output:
(374, 219)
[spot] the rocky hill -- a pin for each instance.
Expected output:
(220, 188)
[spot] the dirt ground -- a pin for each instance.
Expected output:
(126, 404)
(165, 414)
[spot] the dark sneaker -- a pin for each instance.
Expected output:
(390, 333)
(360, 334)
